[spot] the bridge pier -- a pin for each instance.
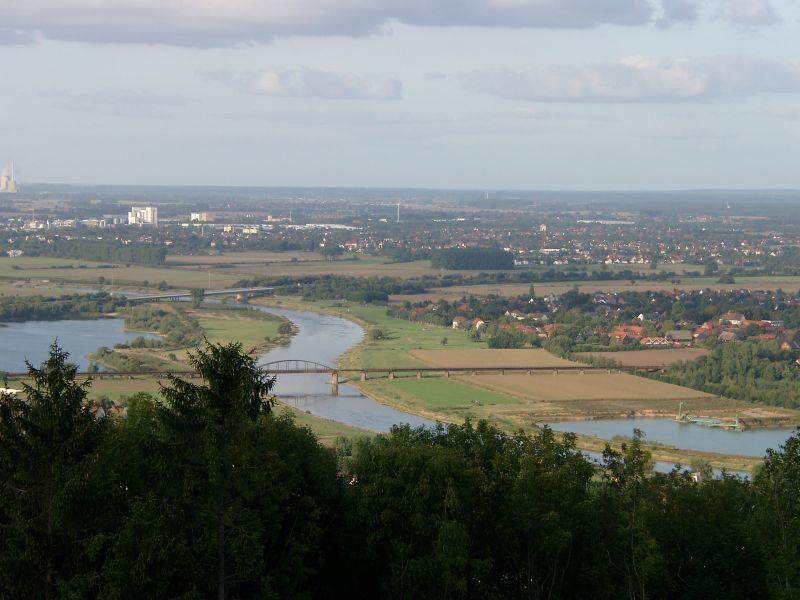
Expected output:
(555, 371)
(419, 374)
(334, 383)
(363, 375)
(391, 375)
(447, 374)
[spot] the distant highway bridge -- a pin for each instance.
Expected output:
(241, 293)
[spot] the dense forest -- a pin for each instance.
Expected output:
(337, 287)
(178, 328)
(101, 251)
(752, 371)
(205, 492)
(472, 258)
(71, 306)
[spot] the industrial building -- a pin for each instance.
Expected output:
(143, 215)
(8, 185)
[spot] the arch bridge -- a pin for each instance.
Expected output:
(291, 366)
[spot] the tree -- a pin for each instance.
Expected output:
(711, 267)
(232, 499)
(330, 252)
(197, 297)
(47, 445)
(677, 311)
(626, 472)
(376, 334)
(777, 519)
(211, 417)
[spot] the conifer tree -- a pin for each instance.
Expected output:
(47, 442)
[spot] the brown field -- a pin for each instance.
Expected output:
(482, 357)
(595, 395)
(650, 358)
(593, 385)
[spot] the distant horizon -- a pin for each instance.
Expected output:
(481, 190)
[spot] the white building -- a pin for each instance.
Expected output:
(143, 215)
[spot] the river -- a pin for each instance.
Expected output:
(31, 340)
(323, 339)
(684, 436)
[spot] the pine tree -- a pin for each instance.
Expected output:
(47, 443)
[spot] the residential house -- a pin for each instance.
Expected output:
(731, 318)
(680, 336)
(654, 341)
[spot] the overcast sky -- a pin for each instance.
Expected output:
(486, 94)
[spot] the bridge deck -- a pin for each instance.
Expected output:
(180, 295)
(515, 369)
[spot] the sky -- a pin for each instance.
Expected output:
(468, 94)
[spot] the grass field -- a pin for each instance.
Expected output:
(545, 289)
(248, 327)
(22, 289)
(325, 429)
(438, 393)
(402, 336)
(117, 387)
(184, 272)
(241, 258)
(648, 358)
(484, 357)
(365, 266)
(39, 269)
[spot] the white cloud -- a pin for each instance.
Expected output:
(309, 83)
(225, 22)
(640, 79)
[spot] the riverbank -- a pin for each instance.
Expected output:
(437, 398)
(258, 332)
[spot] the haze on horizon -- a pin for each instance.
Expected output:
(495, 94)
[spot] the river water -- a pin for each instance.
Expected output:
(31, 340)
(322, 339)
(684, 436)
